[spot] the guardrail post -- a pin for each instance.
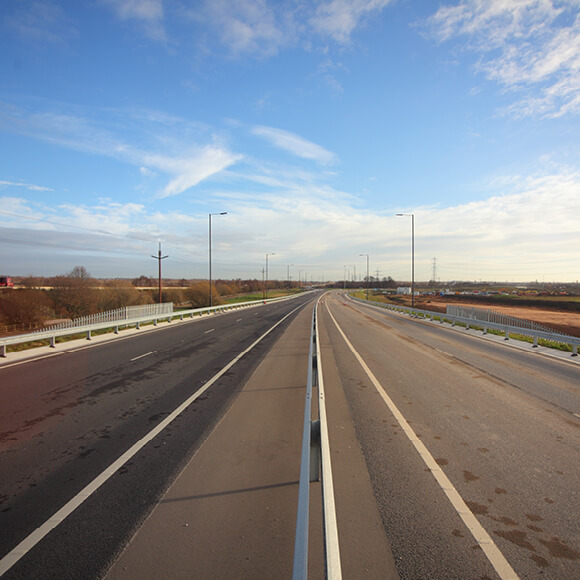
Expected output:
(117, 329)
(3, 351)
(88, 335)
(574, 350)
(507, 335)
(535, 345)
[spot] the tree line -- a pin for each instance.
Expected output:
(77, 293)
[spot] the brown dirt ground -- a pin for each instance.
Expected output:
(562, 321)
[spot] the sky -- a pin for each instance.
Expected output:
(312, 123)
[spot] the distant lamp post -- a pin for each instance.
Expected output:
(210, 292)
(288, 274)
(412, 216)
(266, 284)
(160, 257)
(368, 279)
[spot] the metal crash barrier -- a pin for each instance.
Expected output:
(315, 465)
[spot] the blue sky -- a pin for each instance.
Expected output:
(124, 123)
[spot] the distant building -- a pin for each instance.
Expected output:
(404, 290)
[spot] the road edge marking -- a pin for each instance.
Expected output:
(485, 541)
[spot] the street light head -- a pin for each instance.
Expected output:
(224, 213)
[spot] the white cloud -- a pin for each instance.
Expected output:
(339, 18)
(160, 141)
(148, 13)
(295, 144)
(40, 22)
(190, 171)
(525, 233)
(262, 27)
(28, 186)
(247, 26)
(529, 46)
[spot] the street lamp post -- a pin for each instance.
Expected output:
(412, 216)
(288, 274)
(368, 280)
(266, 284)
(210, 292)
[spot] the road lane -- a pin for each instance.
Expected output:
(231, 513)
(525, 369)
(72, 428)
(512, 456)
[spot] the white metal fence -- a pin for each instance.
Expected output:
(117, 315)
(508, 325)
(486, 315)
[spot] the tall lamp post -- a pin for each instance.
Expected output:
(288, 274)
(266, 284)
(210, 292)
(412, 216)
(368, 280)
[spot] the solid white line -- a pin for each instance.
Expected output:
(496, 558)
(143, 355)
(210, 330)
(333, 564)
(29, 542)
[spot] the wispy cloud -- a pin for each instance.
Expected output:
(190, 171)
(147, 13)
(295, 144)
(246, 26)
(531, 47)
(29, 186)
(38, 23)
(339, 18)
(160, 143)
(262, 28)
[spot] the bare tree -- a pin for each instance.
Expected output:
(74, 294)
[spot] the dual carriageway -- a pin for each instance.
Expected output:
(452, 456)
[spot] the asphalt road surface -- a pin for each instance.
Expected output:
(66, 418)
(500, 423)
(453, 456)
